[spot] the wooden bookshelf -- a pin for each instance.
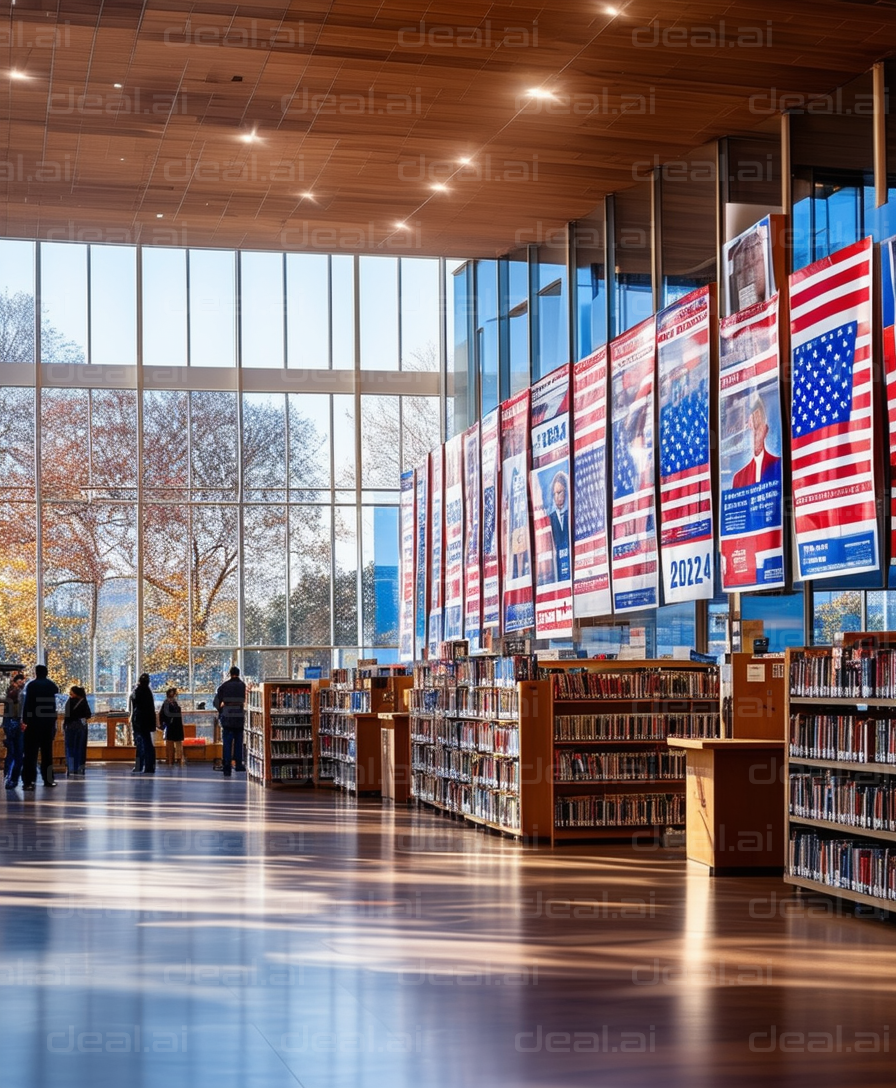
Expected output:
(840, 759)
(613, 774)
(480, 741)
(279, 738)
(347, 741)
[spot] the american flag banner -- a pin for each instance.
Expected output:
(453, 626)
(437, 550)
(634, 546)
(549, 482)
(472, 536)
(831, 419)
(591, 559)
(406, 604)
(421, 558)
(888, 315)
(518, 606)
(751, 523)
(686, 530)
(491, 522)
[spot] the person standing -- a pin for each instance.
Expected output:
(142, 708)
(14, 731)
(171, 720)
(74, 727)
(39, 719)
(230, 703)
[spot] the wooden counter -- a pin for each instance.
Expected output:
(735, 804)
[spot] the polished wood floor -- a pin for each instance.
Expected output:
(187, 930)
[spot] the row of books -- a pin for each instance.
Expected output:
(347, 702)
(641, 683)
(571, 765)
(337, 747)
(350, 677)
(845, 737)
(475, 671)
(290, 699)
(619, 810)
(299, 771)
(466, 766)
(466, 799)
(336, 725)
(842, 799)
(284, 748)
(843, 673)
(294, 732)
(865, 867)
(616, 726)
(496, 773)
(478, 737)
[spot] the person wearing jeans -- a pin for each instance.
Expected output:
(14, 731)
(74, 725)
(39, 719)
(230, 703)
(143, 724)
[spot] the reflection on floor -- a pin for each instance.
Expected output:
(186, 930)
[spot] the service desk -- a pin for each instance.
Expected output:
(735, 804)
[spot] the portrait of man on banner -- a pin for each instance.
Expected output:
(763, 465)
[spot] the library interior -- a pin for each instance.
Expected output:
(513, 661)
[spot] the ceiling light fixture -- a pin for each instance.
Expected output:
(16, 74)
(249, 137)
(539, 92)
(401, 226)
(440, 187)
(159, 215)
(117, 86)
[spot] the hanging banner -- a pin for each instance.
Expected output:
(634, 549)
(472, 537)
(831, 417)
(686, 531)
(749, 265)
(407, 584)
(453, 627)
(591, 564)
(437, 548)
(888, 315)
(421, 559)
(751, 503)
(518, 607)
(552, 504)
(491, 593)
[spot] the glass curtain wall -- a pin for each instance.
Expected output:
(223, 488)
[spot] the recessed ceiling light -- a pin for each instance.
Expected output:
(401, 226)
(159, 215)
(539, 92)
(14, 73)
(440, 187)
(249, 137)
(611, 11)
(465, 160)
(117, 86)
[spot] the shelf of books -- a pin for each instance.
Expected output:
(348, 744)
(278, 735)
(841, 772)
(613, 773)
(480, 742)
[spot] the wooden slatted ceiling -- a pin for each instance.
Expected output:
(367, 104)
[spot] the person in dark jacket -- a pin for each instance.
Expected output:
(14, 731)
(74, 726)
(230, 703)
(142, 707)
(39, 719)
(172, 721)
